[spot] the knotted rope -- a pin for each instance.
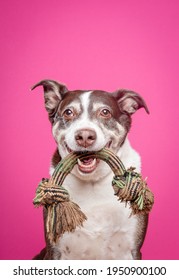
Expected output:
(63, 215)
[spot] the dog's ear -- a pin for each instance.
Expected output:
(53, 93)
(130, 101)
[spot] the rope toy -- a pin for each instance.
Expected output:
(63, 215)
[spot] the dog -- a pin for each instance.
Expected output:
(89, 120)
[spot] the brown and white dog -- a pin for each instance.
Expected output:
(90, 120)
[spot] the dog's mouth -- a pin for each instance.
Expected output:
(90, 164)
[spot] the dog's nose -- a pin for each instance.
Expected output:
(85, 137)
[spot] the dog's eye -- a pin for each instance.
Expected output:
(68, 114)
(105, 113)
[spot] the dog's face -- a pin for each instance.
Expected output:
(89, 121)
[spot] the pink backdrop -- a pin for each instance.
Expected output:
(87, 44)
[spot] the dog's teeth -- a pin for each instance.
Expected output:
(88, 165)
(79, 162)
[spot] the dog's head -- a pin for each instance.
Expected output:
(88, 121)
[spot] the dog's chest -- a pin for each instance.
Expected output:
(108, 233)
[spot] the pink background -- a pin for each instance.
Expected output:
(87, 45)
